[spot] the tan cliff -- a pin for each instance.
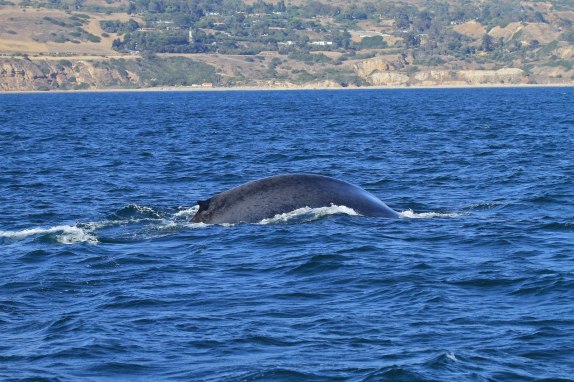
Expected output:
(472, 77)
(388, 79)
(28, 75)
(22, 74)
(382, 72)
(500, 76)
(367, 68)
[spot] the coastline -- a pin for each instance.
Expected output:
(283, 88)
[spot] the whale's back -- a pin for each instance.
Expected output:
(265, 198)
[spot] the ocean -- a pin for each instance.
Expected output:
(104, 277)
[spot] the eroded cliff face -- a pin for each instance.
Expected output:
(495, 77)
(372, 66)
(382, 72)
(388, 79)
(28, 75)
(471, 77)
(326, 84)
(21, 74)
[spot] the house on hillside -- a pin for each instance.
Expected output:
(322, 43)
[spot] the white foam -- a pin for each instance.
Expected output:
(410, 214)
(451, 356)
(309, 214)
(197, 225)
(143, 209)
(186, 213)
(68, 234)
(77, 236)
(135, 213)
(170, 225)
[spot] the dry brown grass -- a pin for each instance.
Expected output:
(25, 30)
(544, 33)
(102, 3)
(472, 29)
(339, 3)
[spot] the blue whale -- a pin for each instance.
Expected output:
(265, 198)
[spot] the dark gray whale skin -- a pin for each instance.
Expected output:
(265, 198)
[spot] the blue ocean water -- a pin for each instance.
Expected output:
(104, 277)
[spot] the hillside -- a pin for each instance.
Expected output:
(107, 44)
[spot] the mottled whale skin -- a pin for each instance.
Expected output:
(265, 198)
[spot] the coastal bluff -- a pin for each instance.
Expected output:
(48, 74)
(395, 72)
(42, 75)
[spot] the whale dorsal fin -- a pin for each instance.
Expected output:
(203, 204)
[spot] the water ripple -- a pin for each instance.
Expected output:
(105, 277)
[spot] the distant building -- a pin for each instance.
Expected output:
(322, 43)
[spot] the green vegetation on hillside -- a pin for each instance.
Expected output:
(317, 40)
(162, 71)
(235, 27)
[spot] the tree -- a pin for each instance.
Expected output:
(500, 45)
(487, 44)
(117, 44)
(374, 42)
(131, 8)
(303, 41)
(423, 21)
(155, 6)
(539, 17)
(412, 40)
(342, 39)
(132, 25)
(402, 21)
(182, 20)
(230, 6)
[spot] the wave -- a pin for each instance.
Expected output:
(186, 213)
(307, 214)
(136, 212)
(410, 214)
(132, 222)
(135, 220)
(66, 234)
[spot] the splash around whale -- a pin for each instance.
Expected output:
(268, 197)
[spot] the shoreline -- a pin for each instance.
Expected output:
(282, 88)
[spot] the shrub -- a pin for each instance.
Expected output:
(82, 86)
(65, 63)
(374, 42)
(93, 38)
